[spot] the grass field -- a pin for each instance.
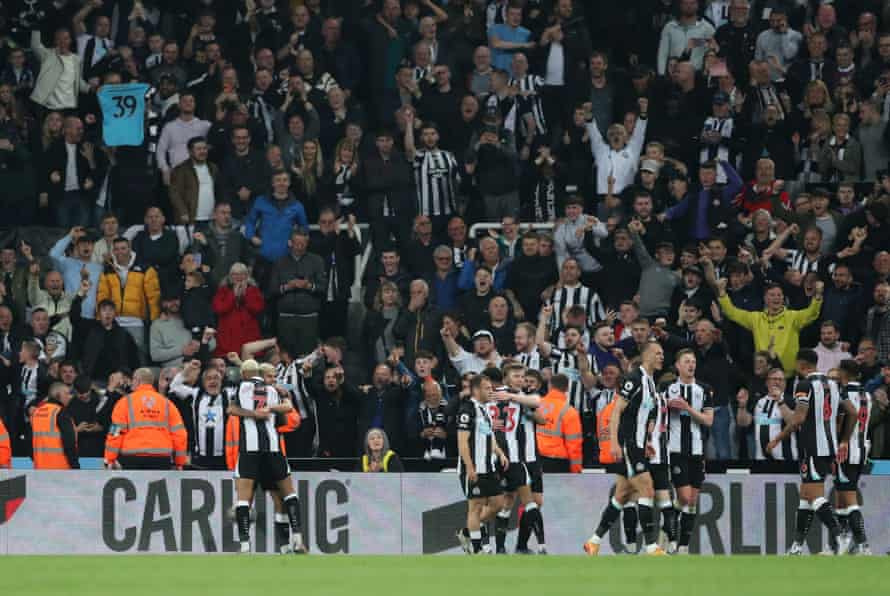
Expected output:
(431, 576)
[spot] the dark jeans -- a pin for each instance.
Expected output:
(332, 319)
(73, 210)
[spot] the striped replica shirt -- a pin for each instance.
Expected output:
(474, 418)
(580, 295)
(437, 177)
(258, 436)
(518, 436)
(687, 437)
(208, 417)
(768, 423)
(860, 444)
(638, 390)
(529, 100)
(532, 360)
(797, 260)
(565, 363)
(818, 434)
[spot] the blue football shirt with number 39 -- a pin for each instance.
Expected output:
(123, 113)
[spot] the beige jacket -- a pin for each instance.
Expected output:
(51, 71)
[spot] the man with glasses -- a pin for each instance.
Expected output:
(770, 416)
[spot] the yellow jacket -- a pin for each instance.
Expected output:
(784, 327)
(139, 298)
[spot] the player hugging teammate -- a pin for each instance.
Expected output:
(497, 460)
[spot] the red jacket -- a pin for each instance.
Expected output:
(753, 198)
(237, 319)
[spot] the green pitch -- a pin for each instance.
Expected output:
(449, 575)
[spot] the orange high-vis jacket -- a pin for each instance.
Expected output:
(49, 450)
(5, 448)
(561, 436)
(233, 436)
(602, 433)
(146, 424)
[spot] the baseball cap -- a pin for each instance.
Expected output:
(649, 165)
(694, 269)
(483, 333)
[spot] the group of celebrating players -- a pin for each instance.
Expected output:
(656, 438)
(654, 435)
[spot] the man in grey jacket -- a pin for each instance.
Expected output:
(658, 280)
(778, 45)
(568, 237)
(686, 33)
(298, 283)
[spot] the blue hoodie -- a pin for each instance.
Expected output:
(276, 219)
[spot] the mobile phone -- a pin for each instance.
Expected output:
(198, 257)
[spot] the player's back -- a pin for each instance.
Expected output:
(818, 434)
(258, 435)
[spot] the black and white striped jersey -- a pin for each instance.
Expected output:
(598, 398)
(638, 390)
(437, 176)
(434, 417)
(517, 438)
(860, 444)
(797, 260)
(258, 436)
(474, 418)
(660, 432)
(768, 423)
(818, 434)
(580, 295)
(529, 100)
(566, 363)
(531, 360)
(208, 416)
(291, 378)
(687, 437)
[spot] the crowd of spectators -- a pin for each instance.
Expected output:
(716, 175)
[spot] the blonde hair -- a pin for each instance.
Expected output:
(378, 297)
(311, 172)
(250, 368)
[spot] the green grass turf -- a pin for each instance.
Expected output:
(452, 575)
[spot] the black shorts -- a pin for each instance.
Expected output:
(815, 469)
(266, 469)
(661, 476)
(514, 476)
(536, 472)
(486, 485)
(687, 470)
(847, 478)
(635, 462)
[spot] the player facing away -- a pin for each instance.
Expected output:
(479, 455)
(516, 410)
(818, 401)
(629, 422)
(846, 482)
(692, 409)
(260, 459)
